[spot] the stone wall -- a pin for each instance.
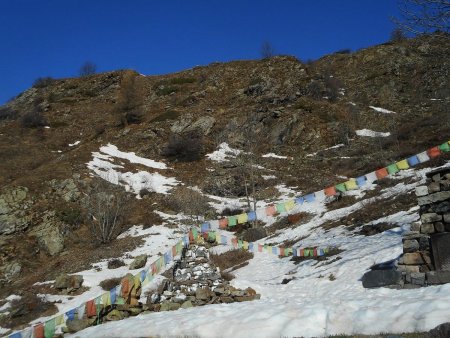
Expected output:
(418, 263)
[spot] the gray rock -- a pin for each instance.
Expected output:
(67, 189)
(421, 191)
(434, 187)
(204, 124)
(438, 277)
(417, 278)
(436, 197)
(412, 259)
(439, 227)
(14, 203)
(377, 278)
(410, 245)
(187, 304)
(203, 293)
(48, 233)
(76, 325)
(427, 228)
(138, 262)
(446, 218)
(408, 268)
(441, 331)
(12, 270)
(415, 226)
(65, 281)
(430, 218)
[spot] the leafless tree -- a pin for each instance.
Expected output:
(397, 35)
(105, 205)
(267, 50)
(423, 16)
(88, 68)
(189, 201)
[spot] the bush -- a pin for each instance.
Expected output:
(7, 113)
(344, 51)
(42, 82)
(165, 90)
(71, 216)
(314, 89)
(186, 147)
(397, 35)
(133, 117)
(88, 68)
(33, 119)
(231, 211)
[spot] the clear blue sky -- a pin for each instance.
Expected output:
(55, 37)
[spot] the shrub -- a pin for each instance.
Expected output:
(7, 113)
(134, 117)
(88, 68)
(181, 80)
(42, 82)
(397, 35)
(231, 211)
(344, 51)
(230, 258)
(70, 215)
(314, 89)
(33, 119)
(254, 234)
(165, 90)
(186, 147)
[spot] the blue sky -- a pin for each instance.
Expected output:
(55, 37)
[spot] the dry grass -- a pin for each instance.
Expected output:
(230, 258)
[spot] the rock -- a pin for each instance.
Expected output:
(250, 291)
(65, 281)
(12, 270)
(187, 304)
(415, 226)
(438, 277)
(204, 124)
(377, 278)
(417, 278)
(203, 293)
(244, 298)
(446, 218)
(76, 325)
(114, 315)
(14, 203)
(67, 189)
(139, 262)
(219, 291)
(48, 233)
(421, 191)
(436, 197)
(167, 306)
(413, 259)
(430, 218)
(424, 243)
(408, 268)
(427, 228)
(410, 245)
(439, 227)
(226, 299)
(441, 331)
(434, 187)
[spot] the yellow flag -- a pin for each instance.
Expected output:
(106, 299)
(245, 245)
(59, 320)
(242, 218)
(289, 205)
(403, 164)
(351, 184)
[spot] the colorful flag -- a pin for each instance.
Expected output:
(205, 227)
(59, 320)
(381, 173)
(27, 333)
(252, 216)
(223, 239)
(413, 160)
(39, 331)
(392, 169)
(240, 244)
(232, 221)
(371, 177)
(91, 310)
(341, 187)
(275, 250)
(245, 245)
(250, 246)
(49, 328)
(271, 210)
(423, 157)
(361, 181)
(445, 147)
(310, 198)
(234, 242)
(434, 152)
(15, 335)
(80, 311)
(282, 251)
(330, 191)
(294, 252)
(289, 205)
(112, 295)
(299, 200)
(403, 164)
(214, 224)
(242, 218)
(351, 184)
(260, 248)
(70, 314)
(212, 236)
(280, 207)
(223, 223)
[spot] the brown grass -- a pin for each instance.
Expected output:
(230, 258)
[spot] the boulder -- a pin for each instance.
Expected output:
(65, 281)
(67, 189)
(427, 228)
(12, 270)
(436, 197)
(430, 217)
(203, 293)
(187, 304)
(410, 245)
(421, 191)
(139, 262)
(377, 278)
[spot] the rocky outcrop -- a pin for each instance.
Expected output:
(67, 189)
(14, 204)
(68, 283)
(48, 233)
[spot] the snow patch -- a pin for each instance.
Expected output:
(274, 156)
(223, 152)
(74, 144)
(382, 110)
(371, 133)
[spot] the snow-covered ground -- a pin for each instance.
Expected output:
(371, 133)
(323, 298)
(223, 153)
(103, 165)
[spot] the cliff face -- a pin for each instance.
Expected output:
(279, 105)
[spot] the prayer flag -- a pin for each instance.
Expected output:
(260, 248)
(330, 191)
(27, 333)
(361, 181)
(212, 236)
(143, 274)
(112, 295)
(381, 173)
(315, 252)
(195, 234)
(392, 169)
(294, 252)
(15, 335)
(245, 245)
(252, 216)
(275, 250)
(232, 221)
(234, 242)
(59, 320)
(371, 177)
(223, 222)
(223, 239)
(242, 218)
(445, 147)
(310, 198)
(250, 246)
(302, 253)
(49, 328)
(240, 244)
(423, 157)
(282, 251)
(433, 152)
(351, 184)
(341, 187)
(403, 164)
(80, 311)
(289, 205)
(70, 314)
(271, 210)
(214, 224)
(413, 160)
(319, 195)
(205, 227)
(91, 310)
(281, 208)
(39, 331)
(299, 200)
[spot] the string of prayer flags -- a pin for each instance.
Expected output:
(310, 198)
(232, 221)
(271, 210)
(330, 191)
(351, 184)
(341, 187)
(280, 208)
(381, 173)
(445, 147)
(242, 218)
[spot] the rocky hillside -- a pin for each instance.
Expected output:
(280, 105)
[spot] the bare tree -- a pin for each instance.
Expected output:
(129, 103)
(105, 205)
(88, 68)
(189, 201)
(397, 35)
(423, 16)
(267, 50)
